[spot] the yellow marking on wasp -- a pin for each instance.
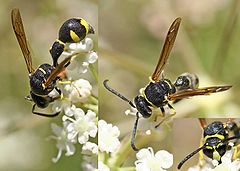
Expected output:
(43, 86)
(151, 80)
(74, 36)
(142, 93)
(64, 82)
(44, 72)
(85, 24)
(61, 96)
(60, 42)
(216, 155)
(169, 85)
(221, 137)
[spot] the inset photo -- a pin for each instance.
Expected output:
(206, 144)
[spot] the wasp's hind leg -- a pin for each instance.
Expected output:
(167, 117)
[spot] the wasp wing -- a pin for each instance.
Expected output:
(21, 37)
(59, 69)
(167, 47)
(203, 122)
(196, 92)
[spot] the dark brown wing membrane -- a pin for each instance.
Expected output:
(167, 47)
(203, 122)
(21, 37)
(196, 92)
(59, 69)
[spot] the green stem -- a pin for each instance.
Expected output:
(93, 71)
(106, 157)
(93, 99)
(126, 169)
(91, 107)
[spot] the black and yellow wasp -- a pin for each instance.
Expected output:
(43, 79)
(160, 91)
(215, 139)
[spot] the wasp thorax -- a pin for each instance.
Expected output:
(39, 77)
(156, 92)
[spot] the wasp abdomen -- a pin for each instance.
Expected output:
(187, 81)
(74, 30)
(56, 50)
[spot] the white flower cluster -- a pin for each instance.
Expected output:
(108, 137)
(110, 151)
(79, 107)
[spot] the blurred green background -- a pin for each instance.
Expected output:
(23, 143)
(131, 35)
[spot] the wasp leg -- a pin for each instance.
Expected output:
(44, 114)
(236, 153)
(134, 134)
(167, 117)
(160, 115)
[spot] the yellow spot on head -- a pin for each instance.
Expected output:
(74, 36)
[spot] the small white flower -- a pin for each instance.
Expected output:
(132, 111)
(102, 166)
(83, 125)
(147, 161)
(92, 57)
(62, 141)
(79, 90)
(89, 148)
(108, 137)
(83, 46)
(61, 105)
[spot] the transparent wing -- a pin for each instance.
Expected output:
(196, 92)
(167, 47)
(21, 37)
(59, 69)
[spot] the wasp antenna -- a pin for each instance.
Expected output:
(117, 93)
(189, 156)
(134, 133)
